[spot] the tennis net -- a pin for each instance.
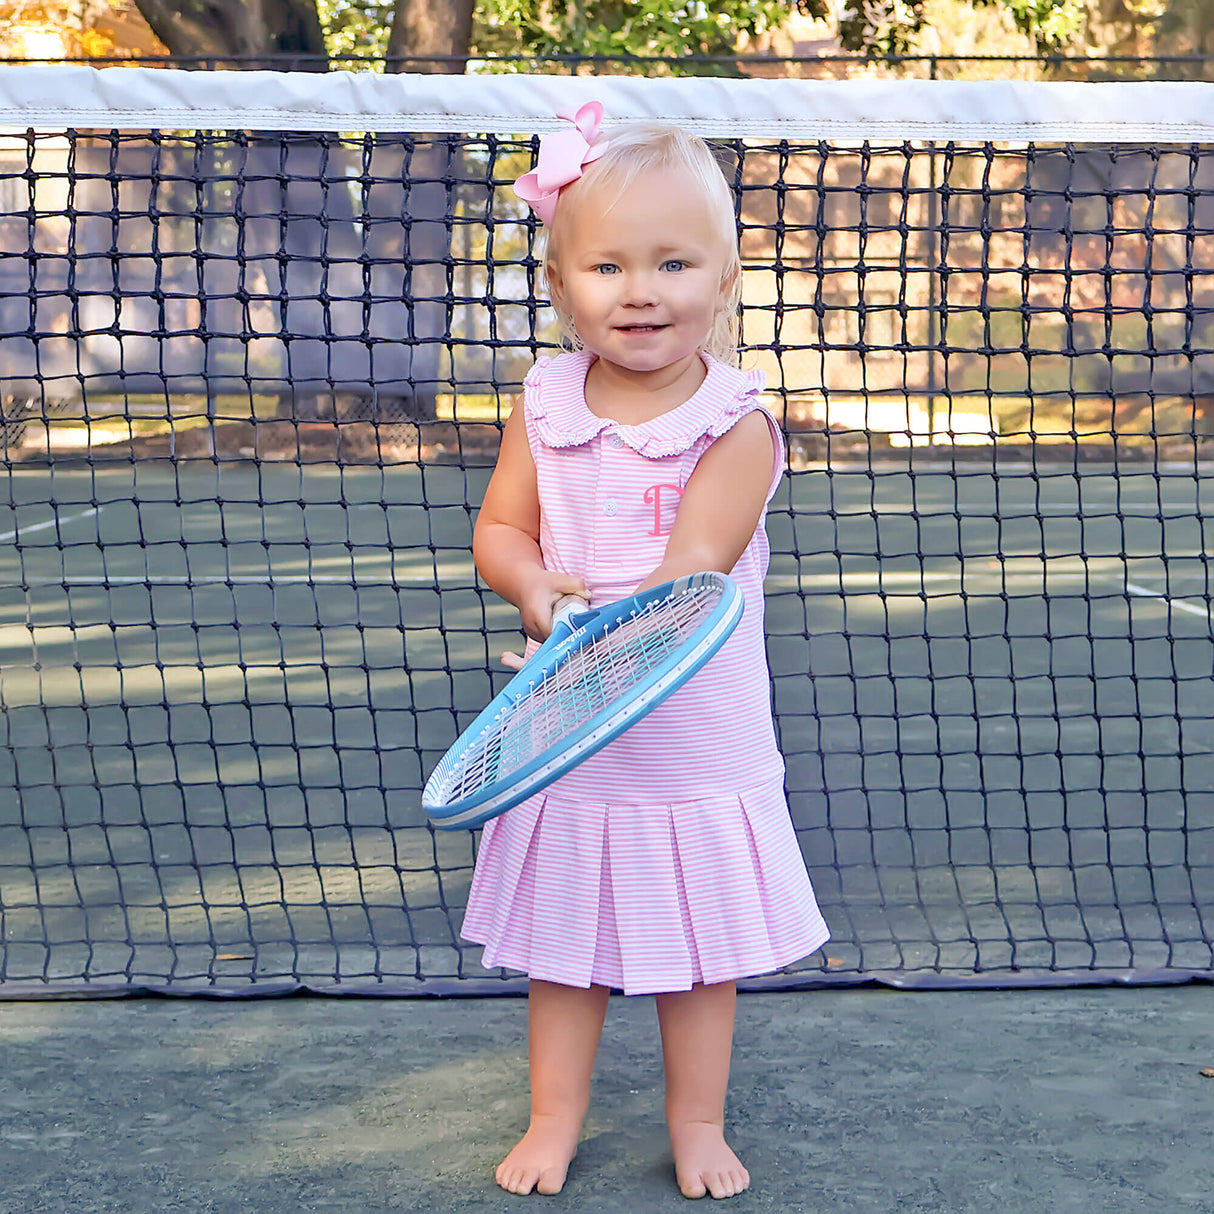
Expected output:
(258, 334)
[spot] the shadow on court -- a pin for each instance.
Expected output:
(1088, 1101)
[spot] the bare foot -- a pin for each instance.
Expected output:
(541, 1157)
(703, 1162)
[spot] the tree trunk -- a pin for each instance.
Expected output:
(423, 28)
(227, 29)
(404, 365)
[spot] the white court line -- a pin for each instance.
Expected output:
(912, 578)
(792, 581)
(908, 578)
(55, 522)
(1179, 604)
(1011, 514)
(236, 580)
(347, 579)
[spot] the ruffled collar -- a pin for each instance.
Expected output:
(556, 402)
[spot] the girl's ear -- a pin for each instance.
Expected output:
(729, 284)
(556, 284)
(556, 296)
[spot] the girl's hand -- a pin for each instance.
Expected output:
(535, 607)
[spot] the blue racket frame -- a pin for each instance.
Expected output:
(571, 631)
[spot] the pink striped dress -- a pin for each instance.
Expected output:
(669, 857)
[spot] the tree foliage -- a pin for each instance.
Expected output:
(667, 29)
(676, 29)
(893, 27)
(673, 29)
(545, 28)
(356, 27)
(347, 30)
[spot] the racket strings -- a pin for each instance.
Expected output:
(582, 686)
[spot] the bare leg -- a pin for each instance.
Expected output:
(697, 1037)
(565, 1023)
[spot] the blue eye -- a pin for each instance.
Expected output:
(674, 265)
(607, 268)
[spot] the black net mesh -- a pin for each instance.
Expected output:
(251, 388)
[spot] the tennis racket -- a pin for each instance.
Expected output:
(599, 672)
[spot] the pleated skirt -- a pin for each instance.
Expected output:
(644, 898)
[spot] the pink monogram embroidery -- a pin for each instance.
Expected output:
(653, 496)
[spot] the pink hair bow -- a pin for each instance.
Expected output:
(563, 155)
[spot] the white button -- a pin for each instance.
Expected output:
(615, 441)
(610, 507)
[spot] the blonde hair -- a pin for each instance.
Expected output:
(639, 148)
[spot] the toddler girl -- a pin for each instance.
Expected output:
(667, 863)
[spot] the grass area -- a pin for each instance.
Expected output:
(474, 407)
(907, 419)
(979, 419)
(182, 406)
(102, 431)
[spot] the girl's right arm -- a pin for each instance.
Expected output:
(506, 539)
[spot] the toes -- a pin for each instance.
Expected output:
(726, 1184)
(692, 1186)
(714, 1184)
(515, 1180)
(551, 1181)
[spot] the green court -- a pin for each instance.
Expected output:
(223, 682)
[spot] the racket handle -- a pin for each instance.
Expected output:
(566, 608)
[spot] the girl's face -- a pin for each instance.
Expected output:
(641, 275)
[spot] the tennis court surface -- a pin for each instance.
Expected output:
(860, 1102)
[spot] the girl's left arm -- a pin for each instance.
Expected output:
(721, 504)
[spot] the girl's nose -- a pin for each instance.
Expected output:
(640, 290)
